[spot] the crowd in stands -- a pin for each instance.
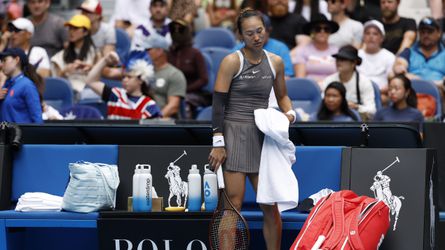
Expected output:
(143, 63)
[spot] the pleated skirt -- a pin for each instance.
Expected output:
(244, 142)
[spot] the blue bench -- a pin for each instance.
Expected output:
(316, 168)
(44, 168)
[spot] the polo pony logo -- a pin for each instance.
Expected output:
(382, 192)
(177, 186)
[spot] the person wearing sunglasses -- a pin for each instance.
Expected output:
(314, 60)
(350, 31)
(426, 58)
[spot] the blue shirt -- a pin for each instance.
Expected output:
(278, 48)
(432, 68)
(391, 114)
(22, 102)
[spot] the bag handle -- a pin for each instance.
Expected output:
(337, 214)
(353, 231)
(100, 168)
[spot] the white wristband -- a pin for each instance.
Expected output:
(292, 113)
(218, 141)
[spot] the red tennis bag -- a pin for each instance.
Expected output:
(344, 220)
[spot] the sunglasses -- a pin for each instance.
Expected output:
(13, 29)
(318, 29)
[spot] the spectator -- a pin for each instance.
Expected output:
(364, 11)
(222, 13)
(260, 5)
(315, 60)
(134, 99)
(125, 15)
(285, 25)
(20, 99)
(191, 62)
(359, 90)
(404, 102)
(426, 58)
(18, 35)
(311, 8)
(377, 62)
(49, 33)
(334, 106)
(78, 58)
(350, 32)
(276, 47)
(170, 86)
(157, 24)
(103, 35)
(400, 31)
(183, 9)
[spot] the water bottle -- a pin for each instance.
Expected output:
(210, 189)
(145, 189)
(137, 172)
(194, 182)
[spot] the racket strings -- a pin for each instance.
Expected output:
(228, 231)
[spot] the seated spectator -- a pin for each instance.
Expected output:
(157, 24)
(49, 32)
(404, 102)
(310, 8)
(20, 99)
(222, 13)
(191, 62)
(170, 86)
(103, 34)
(350, 32)
(127, 15)
(274, 46)
(18, 35)
(400, 31)
(426, 58)
(260, 5)
(315, 60)
(183, 9)
(285, 25)
(78, 58)
(377, 63)
(133, 100)
(334, 106)
(359, 90)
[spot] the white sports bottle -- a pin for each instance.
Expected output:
(144, 193)
(210, 189)
(194, 181)
(137, 172)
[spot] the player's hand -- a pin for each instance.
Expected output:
(217, 157)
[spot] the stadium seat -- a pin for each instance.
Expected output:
(123, 44)
(58, 93)
(216, 55)
(205, 114)
(215, 37)
(428, 87)
(377, 97)
(111, 82)
(304, 93)
(81, 112)
(211, 75)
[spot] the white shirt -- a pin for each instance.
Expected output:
(39, 58)
(350, 32)
(135, 11)
(377, 67)
(366, 91)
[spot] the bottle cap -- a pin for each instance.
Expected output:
(207, 169)
(145, 168)
(194, 169)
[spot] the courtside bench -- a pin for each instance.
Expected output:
(44, 168)
(316, 168)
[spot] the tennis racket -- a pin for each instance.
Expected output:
(228, 228)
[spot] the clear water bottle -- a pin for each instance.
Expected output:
(194, 182)
(144, 193)
(210, 185)
(137, 172)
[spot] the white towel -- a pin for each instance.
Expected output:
(37, 201)
(277, 182)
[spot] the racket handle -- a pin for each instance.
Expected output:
(220, 177)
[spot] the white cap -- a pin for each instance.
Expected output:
(23, 24)
(375, 23)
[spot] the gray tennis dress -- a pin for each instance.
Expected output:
(249, 90)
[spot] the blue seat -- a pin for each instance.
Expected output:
(82, 112)
(308, 169)
(205, 114)
(58, 93)
(111, 82)
(210, 73)
(215, 37)
(304, 93)
(377, 96)
(44, 168)
(216, 55)
(123, 44)
(428, 87)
